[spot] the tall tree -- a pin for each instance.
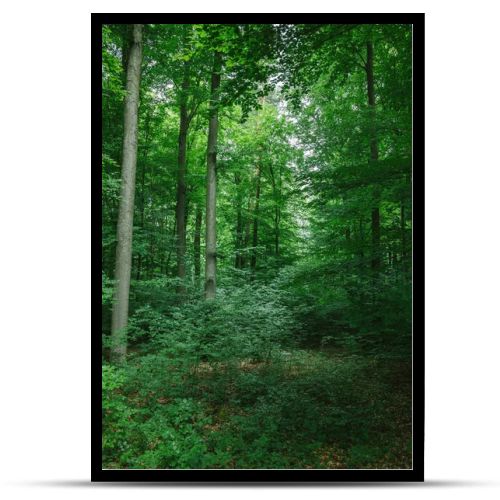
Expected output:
(255, 234)
(190, 95)
(126, 210)
(277, 208)
(197, 243)
(248, 223)
(239, 222)
(142, 205)
(180, 210)
(213, 127)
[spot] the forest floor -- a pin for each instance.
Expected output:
(302, 409)
(395, 454)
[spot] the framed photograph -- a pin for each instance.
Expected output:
(259, 229)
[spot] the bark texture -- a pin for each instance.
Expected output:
(213, 126)
(126, 211)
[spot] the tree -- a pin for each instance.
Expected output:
(189, 101)
(245, 59)
(213, 127)
(126, 211)
(197, 243)
(255, 233)
(180, 210)
(238, 262)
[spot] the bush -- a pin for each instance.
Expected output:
(247, 322)
(117, 427)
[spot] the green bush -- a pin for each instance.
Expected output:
(242, 322)
(118, 432)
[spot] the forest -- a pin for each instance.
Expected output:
(256, 246)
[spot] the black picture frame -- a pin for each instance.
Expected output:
(255, 476)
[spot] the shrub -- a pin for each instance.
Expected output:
(244, 322)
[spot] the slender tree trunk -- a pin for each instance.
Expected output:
(197, 243)
(213, 126)
(239, 223)
(167, 265)
(151, 252)
(375, 215)
(126, 213)
(255, 238)
(186, 211)
(238, 263)
(126, 39)
(180, 210)
(150, 268)
(143, 182)
(246, 239)
(277, 211)
(163, 233)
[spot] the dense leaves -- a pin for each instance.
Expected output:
(303, 359)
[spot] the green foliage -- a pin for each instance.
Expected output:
(117, 434)
(174, 437)
(277, 414)
(363, 455)
(243, 322)
(107, 290)
(303, 359)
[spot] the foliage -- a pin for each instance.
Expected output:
(280, 414)
(243, 322)
(303, 359)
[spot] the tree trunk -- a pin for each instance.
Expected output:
(167, 265)
(143, 182)
(197, 243)
(126, 213)
(151, 253)
(150, 267)
(239, 223)
(255, 238)
(375, 215)
(163, 234)
(277, 210)
(246, 239)
(213, 126)
(180, 209)
(238, 263)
